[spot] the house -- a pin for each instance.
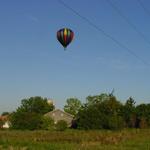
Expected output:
(6, 123)
(58, 114)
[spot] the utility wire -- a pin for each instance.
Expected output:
(103, 32)
(145, 9)
(128, 21)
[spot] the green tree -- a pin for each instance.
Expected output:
(90, 100)
(36, 104)
(143, 115)
(102, 113)
(30, 114)
(26, 120)
(128, 112)
(73, 106)
(91, 117)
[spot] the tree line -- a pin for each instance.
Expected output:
(103, 111)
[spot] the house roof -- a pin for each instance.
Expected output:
(59, 111)
(4, 118)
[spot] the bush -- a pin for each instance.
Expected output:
(26, 120)
(47, 123)
(61, 125)
(115, 123)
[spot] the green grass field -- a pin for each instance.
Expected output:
(128, 139)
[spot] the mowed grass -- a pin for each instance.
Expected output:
(128, 139)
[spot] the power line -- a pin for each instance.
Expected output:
(103, 32)
(128, 21)
(145, 9)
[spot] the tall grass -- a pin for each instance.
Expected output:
(76, 140)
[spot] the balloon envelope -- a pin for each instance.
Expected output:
(65, 36)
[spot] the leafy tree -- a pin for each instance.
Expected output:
(30, 114)
(25, 120)
(30, 121)
(101, 113)
(143, 115)
(112, 106)
(130, 102)
(91, 117)
(73, 106)
(36, 104)
(90, 100)
(128, 112)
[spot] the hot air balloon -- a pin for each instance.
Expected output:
(65, 36)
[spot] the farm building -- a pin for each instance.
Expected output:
(58, 114)
(5, 121)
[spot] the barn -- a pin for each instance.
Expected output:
(58, 114)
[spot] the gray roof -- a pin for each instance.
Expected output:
(58, 114)
(56, 110)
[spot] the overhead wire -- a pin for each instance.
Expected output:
(133, 26)
(130, 51)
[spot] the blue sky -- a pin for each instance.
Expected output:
(32, 62)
